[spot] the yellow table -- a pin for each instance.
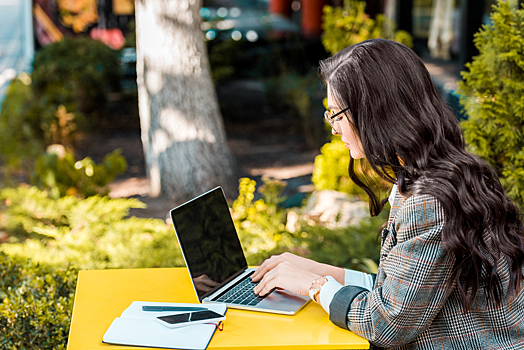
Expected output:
(102, 295)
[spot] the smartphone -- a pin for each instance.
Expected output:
(190, 318)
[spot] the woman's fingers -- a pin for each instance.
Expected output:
(266, 266)
(286, 276)
(267, 283)
(274, 260)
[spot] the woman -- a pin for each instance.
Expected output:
(451, 263)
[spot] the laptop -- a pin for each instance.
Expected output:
(216, 261)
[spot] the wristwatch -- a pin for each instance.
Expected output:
(314, 290)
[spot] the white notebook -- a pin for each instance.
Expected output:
(139, 328)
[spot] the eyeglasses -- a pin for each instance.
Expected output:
(330, 116)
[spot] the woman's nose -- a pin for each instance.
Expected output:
(334, 132)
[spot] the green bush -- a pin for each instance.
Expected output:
(58, 172)
(77, 73)
(330, 171)
(61, 236)
(91, 233)
(265, 229)
(18, 113)
(354, 247)
(66, 92)
(349, 24)
(492, 95)
(37, 304)
(260, 224)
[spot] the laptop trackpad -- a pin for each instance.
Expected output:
(284, 298)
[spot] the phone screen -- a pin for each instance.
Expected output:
(190, 317)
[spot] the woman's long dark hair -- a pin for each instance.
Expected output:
(410, 136)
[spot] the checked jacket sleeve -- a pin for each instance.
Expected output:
(409, 288)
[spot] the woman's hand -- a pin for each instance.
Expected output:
(284, 275)
(293, 273)
(309, 265)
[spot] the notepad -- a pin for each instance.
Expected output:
(139, 328)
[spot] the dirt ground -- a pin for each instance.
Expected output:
(265, 142)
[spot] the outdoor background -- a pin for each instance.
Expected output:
(113, 112)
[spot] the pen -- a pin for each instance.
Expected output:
(172, 308)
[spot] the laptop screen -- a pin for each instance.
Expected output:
(208, 240)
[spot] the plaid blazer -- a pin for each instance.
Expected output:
(408, 307)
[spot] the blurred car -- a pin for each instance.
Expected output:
(243, 20)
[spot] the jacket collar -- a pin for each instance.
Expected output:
(398, 200)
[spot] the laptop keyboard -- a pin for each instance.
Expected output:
(242, 294)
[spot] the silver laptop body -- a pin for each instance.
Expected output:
(215, 259)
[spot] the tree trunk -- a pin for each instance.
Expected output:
(183, 134)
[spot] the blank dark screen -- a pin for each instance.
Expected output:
(195, 316)
(175, 318)
(209, 240)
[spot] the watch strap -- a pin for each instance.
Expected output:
(316, 285)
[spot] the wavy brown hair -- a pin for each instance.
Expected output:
(410, 137)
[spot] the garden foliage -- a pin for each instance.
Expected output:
(36, 304)
(58, 172)
(331, 169)
(349, 24)
(492, 95)
(265, 229)
(77, 73)
(91, 233)
(260, 224)
(354, 247)
(50, 240)
(18, 113)
(66, 92)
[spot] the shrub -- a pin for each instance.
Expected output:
(492, 93)
(37, 304)
(260, 224)
(91, 233)
(266, 229)
(77, 73)
(349, 24)
(330, 171)
(58, 172)
(354, 247)
(66, 92)
(17, 113)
